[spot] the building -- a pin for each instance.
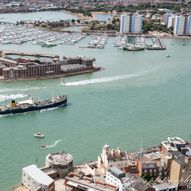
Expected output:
(136, 23)
(188, 25)
(125, 24)
(112, 158)
(131, 23)
(116, 177)
(125, 182)
(79, 182)
(180, 171)
(172, 144)
(165, 187)
(60, 162)
(8, 62)
(35, 179)
(179, 25)
(32, 70)
(170, 21)
(78, 60)
(180, 162)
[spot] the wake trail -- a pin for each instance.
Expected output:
(12, 96)
(20, 89)
(104, 80)
(54, 144)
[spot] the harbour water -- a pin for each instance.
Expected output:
(138, 97)
(37, 16)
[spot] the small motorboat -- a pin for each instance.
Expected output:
(39, 135)
(167, 55)
(43, 146)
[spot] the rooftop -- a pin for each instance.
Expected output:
(60, 158)
(178, 157)
(38, 175)
(86, 183)
(117, 172)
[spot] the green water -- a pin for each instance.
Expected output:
(41, 16)
(138, 96)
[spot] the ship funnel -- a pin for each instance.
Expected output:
(13, 103)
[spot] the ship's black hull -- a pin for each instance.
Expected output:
(34, 108)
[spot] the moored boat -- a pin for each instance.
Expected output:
(133, 48)
(32, 105)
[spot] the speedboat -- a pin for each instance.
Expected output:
(43, 146)
(39, 135)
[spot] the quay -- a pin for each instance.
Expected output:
(157, 44)
(5, 53)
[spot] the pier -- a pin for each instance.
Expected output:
(5, 53)
(156, 44)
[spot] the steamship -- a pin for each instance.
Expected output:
(32, 105)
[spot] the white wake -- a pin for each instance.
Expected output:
(103, 80)
(54, 144)
(20, 89)
(12, 96)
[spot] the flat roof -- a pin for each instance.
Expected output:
(35, 173)
(117, 172)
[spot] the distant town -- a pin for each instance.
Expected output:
(160, 168)
(85, 6)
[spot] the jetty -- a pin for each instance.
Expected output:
(156, 44)
(5, 53)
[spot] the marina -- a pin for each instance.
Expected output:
(13, 34)
(97, 42)
(155, 44)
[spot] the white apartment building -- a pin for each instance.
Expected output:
(34, 179)
(179, 25)
(131, 23)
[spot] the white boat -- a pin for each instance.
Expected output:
(39, 135)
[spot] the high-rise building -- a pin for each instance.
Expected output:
(131, 23)
(170, 21)
(188, 25)
(179, 25)
(136, 23)
(125, 24)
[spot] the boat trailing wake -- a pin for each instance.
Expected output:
(54, 144)
(12, 96)
(104, 80)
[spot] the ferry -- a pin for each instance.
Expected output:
(32, 105)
